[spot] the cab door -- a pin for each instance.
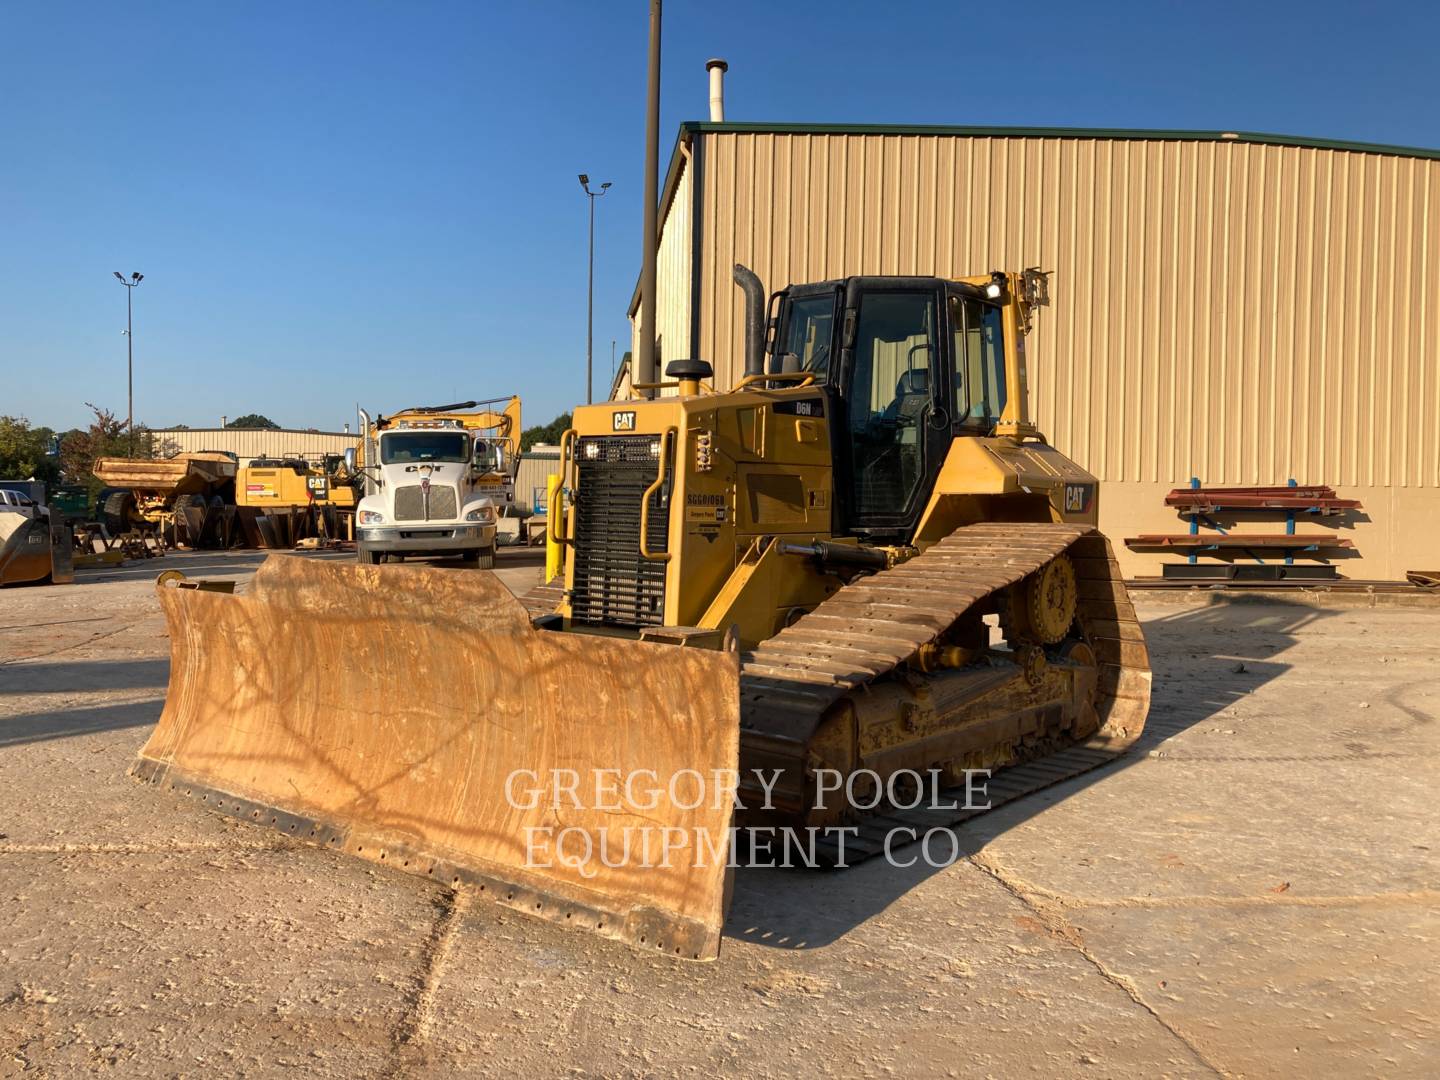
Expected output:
(894, 422)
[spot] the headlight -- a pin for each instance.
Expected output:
(371, 517)
(655, 449)
(483, 513)
(591, 451)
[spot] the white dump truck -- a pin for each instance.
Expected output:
(437, 479)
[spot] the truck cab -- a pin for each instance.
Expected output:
(435, 487)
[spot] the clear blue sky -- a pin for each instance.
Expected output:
(335, 202)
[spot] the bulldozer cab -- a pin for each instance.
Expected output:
(909, 363)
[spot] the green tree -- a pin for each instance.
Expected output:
(254, 420)
(24, 451)
(545, 433)
(105, 437)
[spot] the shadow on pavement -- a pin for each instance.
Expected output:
(799, 908)
(244, 562)
(194, 564)
(76, 675)
(89, 720)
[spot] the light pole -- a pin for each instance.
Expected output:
(590, 298)
(135, 278)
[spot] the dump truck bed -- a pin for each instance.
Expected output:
(166, 474)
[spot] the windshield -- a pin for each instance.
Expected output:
(405, 447)
(807, 334)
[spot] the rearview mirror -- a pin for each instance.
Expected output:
(350, 459)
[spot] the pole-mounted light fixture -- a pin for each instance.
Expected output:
(590, 292)
(135, 278)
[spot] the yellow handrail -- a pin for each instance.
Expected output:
(800, 378)
(645, 553)
(554, 505)
(567, 441)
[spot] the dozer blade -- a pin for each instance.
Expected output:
(412, 716)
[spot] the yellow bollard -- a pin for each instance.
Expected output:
(553, 509)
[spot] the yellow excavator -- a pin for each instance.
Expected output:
(815, 602)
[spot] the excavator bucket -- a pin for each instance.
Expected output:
(412, 716)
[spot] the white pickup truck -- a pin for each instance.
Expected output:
(17, 502)
(435, 482)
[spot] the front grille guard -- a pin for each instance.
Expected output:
(411, 504)
(619, 535)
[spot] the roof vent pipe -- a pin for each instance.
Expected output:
(717, 69)
(754, 319)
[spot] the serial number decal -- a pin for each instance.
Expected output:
(701, 506)
(623, 421)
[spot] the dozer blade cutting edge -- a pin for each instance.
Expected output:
(412, 716)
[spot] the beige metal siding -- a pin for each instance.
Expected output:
(673, 271)
(1236, 311)
(246, 443)
(535, 467)
(1228, 310)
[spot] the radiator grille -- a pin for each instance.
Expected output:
(410, 503)
(614, 586)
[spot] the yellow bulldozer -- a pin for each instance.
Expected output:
(813, 604)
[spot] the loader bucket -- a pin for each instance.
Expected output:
(412, 716)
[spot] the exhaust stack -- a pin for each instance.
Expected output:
(754, 291)
(717, 69)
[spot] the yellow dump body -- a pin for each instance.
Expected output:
(184, 474)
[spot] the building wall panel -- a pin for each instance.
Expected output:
(536, 466)
(1232, 310)
(246, 443)
(673, 277)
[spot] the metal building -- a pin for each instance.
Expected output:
(247, 443)
(535, 468)
(1245, 309)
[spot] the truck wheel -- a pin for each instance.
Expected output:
(480, 558)
(116, 510)
(368, 557)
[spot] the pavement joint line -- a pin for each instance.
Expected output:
(172, 848)
(1056, 924)
(57, 622)
(1264, 759)
(75, 645)
(1423, 897)
(414, 1026)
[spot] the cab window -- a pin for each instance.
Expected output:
(807, 335)
(979, 363)
(418, 446)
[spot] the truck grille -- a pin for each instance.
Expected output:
(410, 503)
(614, 586)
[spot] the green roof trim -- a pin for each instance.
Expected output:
(1130, 134)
